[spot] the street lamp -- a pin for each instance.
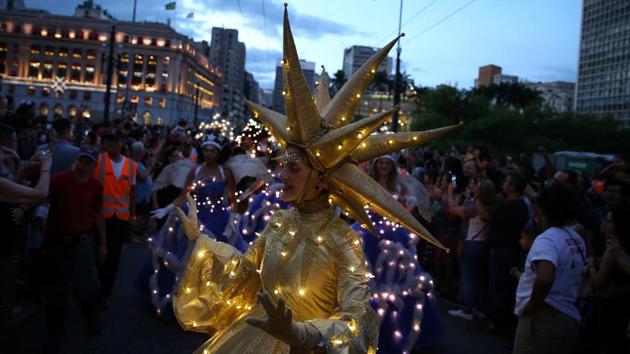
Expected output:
(110, 72)
(397, 79)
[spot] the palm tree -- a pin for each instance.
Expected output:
(338, 80)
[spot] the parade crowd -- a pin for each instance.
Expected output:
(538, 255)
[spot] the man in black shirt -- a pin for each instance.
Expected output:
(506, 222)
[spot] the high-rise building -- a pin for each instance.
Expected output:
(357, 55)
(12, 5)
(603, 84)
(60, 63)
(228, 54)
(251, 88)
(493, 75)
(308, 70)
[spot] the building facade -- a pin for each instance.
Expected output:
(308, 70)
(556, 95)
(355, 56)
(60, 63)
(493, 75)
(228, 54)
(251, 88)
(603, 83)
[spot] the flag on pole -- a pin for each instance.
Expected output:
(170, 5)
(190, 15)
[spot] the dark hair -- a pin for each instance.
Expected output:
(621, 219)
(224, 155)
(572, 177)
(62, 125)
(558, 204)
(517, 181)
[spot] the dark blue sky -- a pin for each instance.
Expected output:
(537, 40)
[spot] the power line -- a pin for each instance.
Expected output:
(409, 20)
(439, 22)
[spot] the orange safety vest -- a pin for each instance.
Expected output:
(116, 192)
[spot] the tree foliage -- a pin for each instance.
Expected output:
(511, 119)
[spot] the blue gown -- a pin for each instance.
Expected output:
(259, 211)
(400, 289)
(170, 247)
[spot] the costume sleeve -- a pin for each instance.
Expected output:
(218, 286)
(353, 327)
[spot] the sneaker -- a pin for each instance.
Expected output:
(462, 314)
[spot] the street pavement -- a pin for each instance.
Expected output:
(130, 325)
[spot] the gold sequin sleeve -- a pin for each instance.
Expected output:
(353, 327)
(218, 286)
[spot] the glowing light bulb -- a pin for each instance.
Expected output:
(301, 292)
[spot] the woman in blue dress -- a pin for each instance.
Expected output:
(401, 288)
(212, 186)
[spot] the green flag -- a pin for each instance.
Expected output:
(170, 5)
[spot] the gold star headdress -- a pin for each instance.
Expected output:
(323, 129)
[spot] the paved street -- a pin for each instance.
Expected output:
(130, 326)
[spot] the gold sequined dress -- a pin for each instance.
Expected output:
(315, 261)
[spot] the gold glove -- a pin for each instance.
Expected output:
(191, 225)
(280, 325)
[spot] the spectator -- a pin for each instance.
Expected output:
(12, 196)
(611, 283)
(547, 291)
(144, 184)
(8, 149)
(117, 173)
(75, 216)
(506, 222)
(63, 152)
(474, 256)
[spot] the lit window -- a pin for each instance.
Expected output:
(72, 111)
(33, 69)
(87, 113)
(162, 103)
(35, 49)
(58, 110)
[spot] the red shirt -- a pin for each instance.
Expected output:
(73, 204)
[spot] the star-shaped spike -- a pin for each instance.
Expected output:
(274, 121)
(356, 211)
(355, 184)
(379, 145)
(322, 95)
(335, 146)
(302, 117)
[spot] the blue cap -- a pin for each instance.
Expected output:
(89, 151)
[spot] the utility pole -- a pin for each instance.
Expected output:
(397, 79)
(110, 72)
(196, 105)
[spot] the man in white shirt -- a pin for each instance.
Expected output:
(547, 290)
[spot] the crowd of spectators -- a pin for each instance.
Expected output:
(542, 255)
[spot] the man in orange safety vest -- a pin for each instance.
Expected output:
(117, 173)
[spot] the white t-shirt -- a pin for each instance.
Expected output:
(562, 247)
(118, 168)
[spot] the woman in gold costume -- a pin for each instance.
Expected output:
(303, 284)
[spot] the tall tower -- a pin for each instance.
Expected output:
(228, 54)
(603, 83)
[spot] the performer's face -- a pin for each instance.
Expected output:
(384, 167)
(210, 154)
(294, 174)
